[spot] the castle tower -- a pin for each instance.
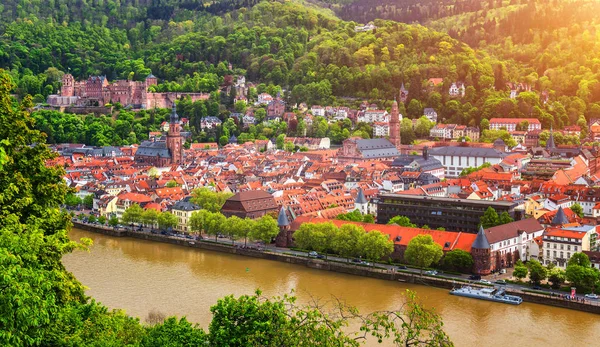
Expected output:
(68, 85)
(550, 146)
(284, 238)
(151, 80)
(361, 203)
(480, 250)
(174, 138)
(395, 125)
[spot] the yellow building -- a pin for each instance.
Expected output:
(183, 211)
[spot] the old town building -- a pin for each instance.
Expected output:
(250, 204)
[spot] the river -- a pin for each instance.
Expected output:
(139, 276)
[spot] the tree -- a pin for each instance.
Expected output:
(265, 229)
(374, 245)
(196, 222)
(150, 217)
(209, 200)
(235, 227)
(174, 332)
(345, 243)
(88, 201)
(422, 251)
(132, 215)
(402, 221)
(505, 218)
(72, 200)
(289, 147)
(213, 223)
(557, 277)
(457, 260)
(172, 184)
(520, 270)
(102, 220)
(167, 220)
(580, 273)
(576, 207)
(280, 141)
(113, 221)
(537, 272)
(92, 219)
(490, 218)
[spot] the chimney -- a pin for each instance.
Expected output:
(425, 152)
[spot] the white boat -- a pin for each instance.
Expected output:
(490, 294)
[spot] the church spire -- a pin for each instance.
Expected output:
(174, 117)
(550, 145)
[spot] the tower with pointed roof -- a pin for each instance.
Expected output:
(403, 94)
(395, 125)
(284, 238)
(174, 137)
(481, 252)
(361, 203)
(560, 218)
(550, 146)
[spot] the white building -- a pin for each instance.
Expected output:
(516, 237)
(457, 89)
(264, 98)
(318, 110)
(183, 211)
(372, 116)
(456, 159)
(381, 129)
(510, 124)
(560, 244)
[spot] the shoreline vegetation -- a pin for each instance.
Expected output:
(530, 296)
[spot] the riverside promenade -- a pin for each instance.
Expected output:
(378, 271)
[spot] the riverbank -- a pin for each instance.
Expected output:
(345, 268)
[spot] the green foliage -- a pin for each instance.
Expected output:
(174, 332)
(113, 221)
(264, 229)
(132, 215)
(457, 260)
(88, 201)
(356, 216)
(102, 220)
(470, 170)
(576, 207)
(72, 200)
(580, 273)
(491, 219)
(537, 272)
(402, 221)
(166, 220)
(556, 277)
(521, 270)
(422, 251)
(150, 217)
(374, 245)
(210, 200)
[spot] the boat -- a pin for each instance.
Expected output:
(490, 294)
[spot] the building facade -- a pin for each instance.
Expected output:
(456, 159)
(440, 212)
(250, 204)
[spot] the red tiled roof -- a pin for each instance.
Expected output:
(456, 240)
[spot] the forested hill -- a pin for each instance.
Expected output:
(309, 51)
(115, 13)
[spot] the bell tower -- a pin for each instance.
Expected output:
(395, 125)
(68, 85)
(174, 138)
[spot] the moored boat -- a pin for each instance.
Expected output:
(490, 294)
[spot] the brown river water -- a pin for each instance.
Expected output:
(139, 276)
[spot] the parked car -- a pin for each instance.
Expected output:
(356, 260)
(591, 296)
(500, 282)
(402, 267)
(475, 277)
(313, 254)
(431, 273)
(484, 282)
(502, 271)
(365, 263)
(320, 256)
(537, 287)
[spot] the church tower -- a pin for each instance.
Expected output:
(395, 125)
(174, 138)
(403, 94)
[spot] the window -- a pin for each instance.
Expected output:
(568, 255)
(562, 246)
(568, 247)
(554, 254)
(548, 253)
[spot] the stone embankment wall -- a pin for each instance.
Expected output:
(351, 269)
